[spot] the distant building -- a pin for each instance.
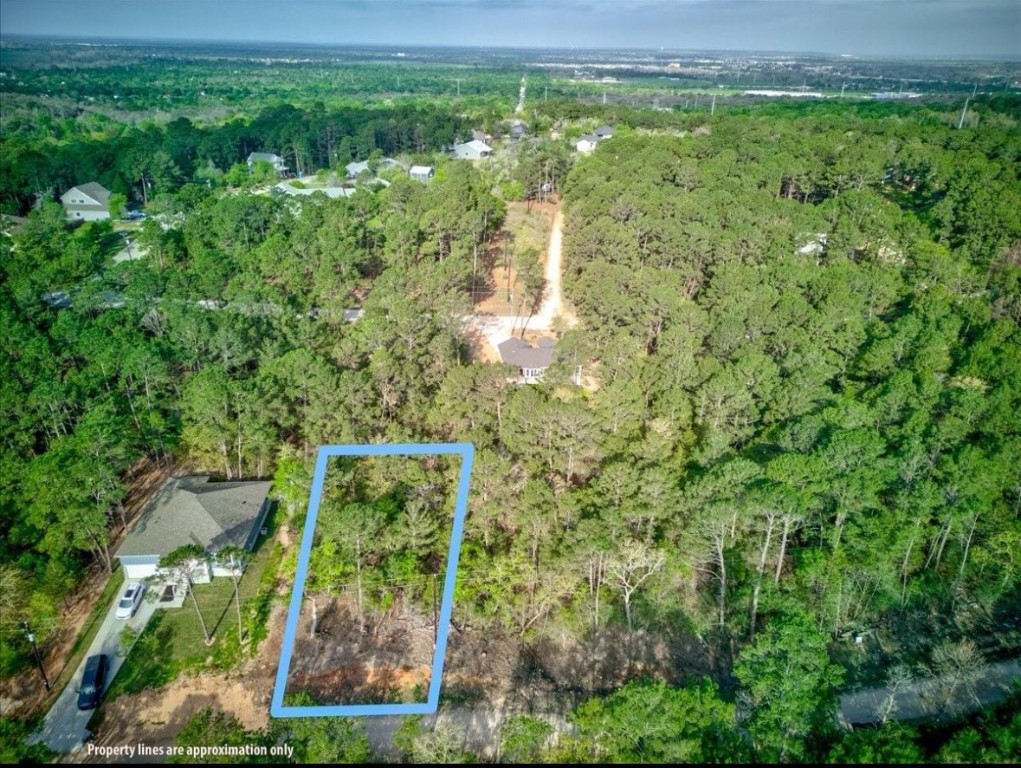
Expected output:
(422, 172)
(604, 132)
(331, 192)
(472, 150)
(86, 202)
(586, 143)
(12, 225)
(354, 170)
(519, 129)
(275, 160)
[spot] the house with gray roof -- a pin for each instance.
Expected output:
(87, 202)
(354, 170)
(331, 192)
(275, 160)
(195, 510)
(472, 150)
(531, 361)
(604, 132)
(587, 143)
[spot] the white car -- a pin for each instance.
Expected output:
(130, 600)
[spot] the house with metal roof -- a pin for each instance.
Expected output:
(604, 132)
(422, 172)
(331, 192)
(472, 150)
(87, 202)
(195, 510)
(586, 143)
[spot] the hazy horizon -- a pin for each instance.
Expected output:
(903, 29)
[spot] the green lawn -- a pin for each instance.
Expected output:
(173, 642)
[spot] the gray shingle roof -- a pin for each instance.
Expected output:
(523, 355)
(96, 191)
(190, 510)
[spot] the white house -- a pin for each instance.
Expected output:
(472, 150)
(193, 510)
(86, 202)
(586, 143)
(275, 160)
(422, 172)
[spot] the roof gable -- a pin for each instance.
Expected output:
(193, 510)
(95, 193)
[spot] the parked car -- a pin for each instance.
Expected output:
(130, 600)
(91, 689)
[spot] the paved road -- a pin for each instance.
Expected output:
(928, 699)
(64, 729)
(481, 727)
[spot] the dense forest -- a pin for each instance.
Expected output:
(800, 333)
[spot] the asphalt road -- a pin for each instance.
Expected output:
(927, 698)
(64, 729)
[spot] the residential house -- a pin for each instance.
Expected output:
(586, 143)
(331, 192)
(354, 170)
(481, 136)
(422, 172)
(604, 132)
(194, 510)
(86, 202)
(275, 160)
(518, 129)
(472, 150)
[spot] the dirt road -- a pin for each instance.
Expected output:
(499, 328)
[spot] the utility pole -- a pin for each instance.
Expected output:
(604, 97)
(842, 88)
(458, 86)
(712, 111)
(35, 653)
(545, 96)
(960, 123)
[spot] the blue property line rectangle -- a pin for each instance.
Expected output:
(467, 453)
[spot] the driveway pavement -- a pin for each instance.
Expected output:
(64, 729)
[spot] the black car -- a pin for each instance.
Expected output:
(92, 682)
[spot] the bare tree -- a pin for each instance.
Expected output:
(631, 567)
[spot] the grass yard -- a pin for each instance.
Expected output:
(173, 643)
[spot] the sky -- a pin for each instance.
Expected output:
(902, 28)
